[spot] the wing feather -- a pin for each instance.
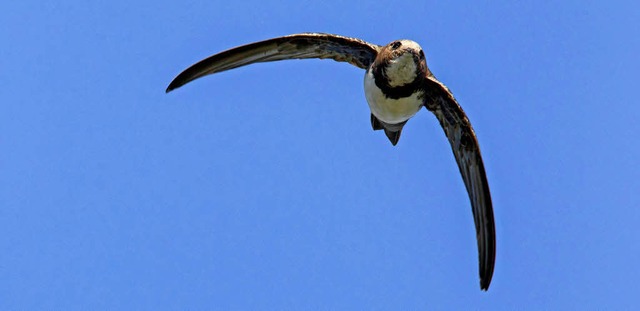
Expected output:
(464, 144)
(299, 46)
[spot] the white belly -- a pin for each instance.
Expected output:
(389, 110)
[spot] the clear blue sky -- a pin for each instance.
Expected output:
(264, 188)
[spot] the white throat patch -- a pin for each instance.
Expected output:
(401, 70)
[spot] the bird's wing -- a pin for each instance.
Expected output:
(307, 45)
(456, 125)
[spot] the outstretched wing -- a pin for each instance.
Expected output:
(307, 45)
(464, 144)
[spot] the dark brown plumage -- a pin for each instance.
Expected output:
(385, 65)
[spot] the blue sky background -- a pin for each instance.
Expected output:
(265, 188)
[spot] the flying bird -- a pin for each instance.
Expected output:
(397, 83)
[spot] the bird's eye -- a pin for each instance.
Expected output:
(396, 45)
(421, 54)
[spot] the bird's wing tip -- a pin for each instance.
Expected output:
(172, 86)
(484, 285)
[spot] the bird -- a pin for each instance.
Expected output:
(397, 83)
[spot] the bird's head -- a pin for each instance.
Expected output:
(401, 62)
